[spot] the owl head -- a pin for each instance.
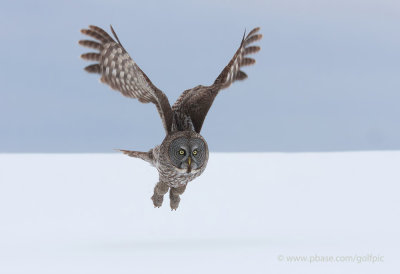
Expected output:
(187, 151)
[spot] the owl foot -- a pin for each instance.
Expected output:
(157, 200)
(159, 191)
(174, 198)
(174, 202)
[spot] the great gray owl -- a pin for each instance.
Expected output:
(183, 154)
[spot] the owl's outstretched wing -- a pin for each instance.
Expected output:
(197, 101)
(120, 72)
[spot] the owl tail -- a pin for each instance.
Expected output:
(147, 156)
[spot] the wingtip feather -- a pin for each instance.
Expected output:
(95, 68)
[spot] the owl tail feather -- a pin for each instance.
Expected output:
(146, 156)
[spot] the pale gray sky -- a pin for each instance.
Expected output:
(327, 77)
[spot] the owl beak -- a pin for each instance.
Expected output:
(189, 164)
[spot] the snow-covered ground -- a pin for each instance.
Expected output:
(248, 213)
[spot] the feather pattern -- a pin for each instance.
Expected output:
(230, 72)
(121, 73)
(197, 101)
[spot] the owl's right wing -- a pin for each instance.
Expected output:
(120, 72)
(197, 101)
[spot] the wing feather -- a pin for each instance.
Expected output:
(90, 44)
(95, 68)
(231, 71)
(197, 101)
(120, 72)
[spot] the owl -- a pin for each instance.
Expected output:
(183, 154)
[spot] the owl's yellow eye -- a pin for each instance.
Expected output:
(181, 152)
(194, 152)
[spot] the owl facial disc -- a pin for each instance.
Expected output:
(187, 154)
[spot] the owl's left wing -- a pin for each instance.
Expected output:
(197, 101)
(121, 73)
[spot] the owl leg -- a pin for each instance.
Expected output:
(159, 191)
(174, 194)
